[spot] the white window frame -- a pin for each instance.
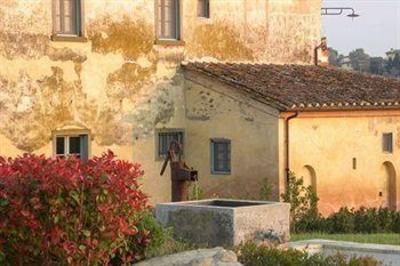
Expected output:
(67, 135)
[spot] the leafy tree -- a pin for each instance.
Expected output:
(360, 61)
(377, 65)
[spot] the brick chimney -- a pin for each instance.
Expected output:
(322, 53)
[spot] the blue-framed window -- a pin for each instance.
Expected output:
(220, 156)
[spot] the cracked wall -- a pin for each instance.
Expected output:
(121, 47)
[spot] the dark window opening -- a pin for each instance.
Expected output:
(387, 142)
(203, 8)
(77, 145)
(220, 156)
(354, 163)
(60, 146)
(168, 19)
(67, 17)
(164, 140)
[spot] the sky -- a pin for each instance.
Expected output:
(376, 30)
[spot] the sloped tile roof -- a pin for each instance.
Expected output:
(297, 87)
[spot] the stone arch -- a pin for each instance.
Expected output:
(388, 185)
(309, 176)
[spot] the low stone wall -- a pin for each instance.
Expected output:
(387, 254)
(201, 257)
(220, 222)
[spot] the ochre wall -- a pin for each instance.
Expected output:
(216, 111)
(118, 84)
(328, 142)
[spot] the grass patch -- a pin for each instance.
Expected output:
(390, 239)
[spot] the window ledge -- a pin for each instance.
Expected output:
(62, 38)
(220, 173)
(169, 42)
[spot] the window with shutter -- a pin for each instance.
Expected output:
(67, 17)
(220, 156)
(66, 145)
(168, 19)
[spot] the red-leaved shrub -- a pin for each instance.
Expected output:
(65, 212)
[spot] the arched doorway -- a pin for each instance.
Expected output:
(309, 176)
(388, 186)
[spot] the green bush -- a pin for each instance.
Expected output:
(341, 222)
(303, 201)
(363, 220)
(252, 255)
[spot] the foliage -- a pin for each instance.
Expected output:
(266, 191)
(303, 203)
(64, 211)
(169, 245)
(305, 217)
(362, 62)
(346, 221)
(252, 255)
(341, 222)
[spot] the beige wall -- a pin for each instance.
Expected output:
(120, 85)
(328, 142)
(216, 111)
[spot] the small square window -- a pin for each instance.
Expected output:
(220, 156)
(387, 142)
(203, 8)
(68, 145)
(164, 140)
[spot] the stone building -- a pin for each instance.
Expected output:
(84, 76)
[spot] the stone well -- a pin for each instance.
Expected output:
(223, 222)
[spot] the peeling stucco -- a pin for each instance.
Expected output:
(132, 38)
(221, 41)
(35, 46)
(128, 80)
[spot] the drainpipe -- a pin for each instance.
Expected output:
(287, 159)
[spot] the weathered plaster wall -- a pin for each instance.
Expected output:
(119, 84)
(329, 144)
(215, 111)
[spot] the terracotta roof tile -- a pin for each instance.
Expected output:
(290, 87)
